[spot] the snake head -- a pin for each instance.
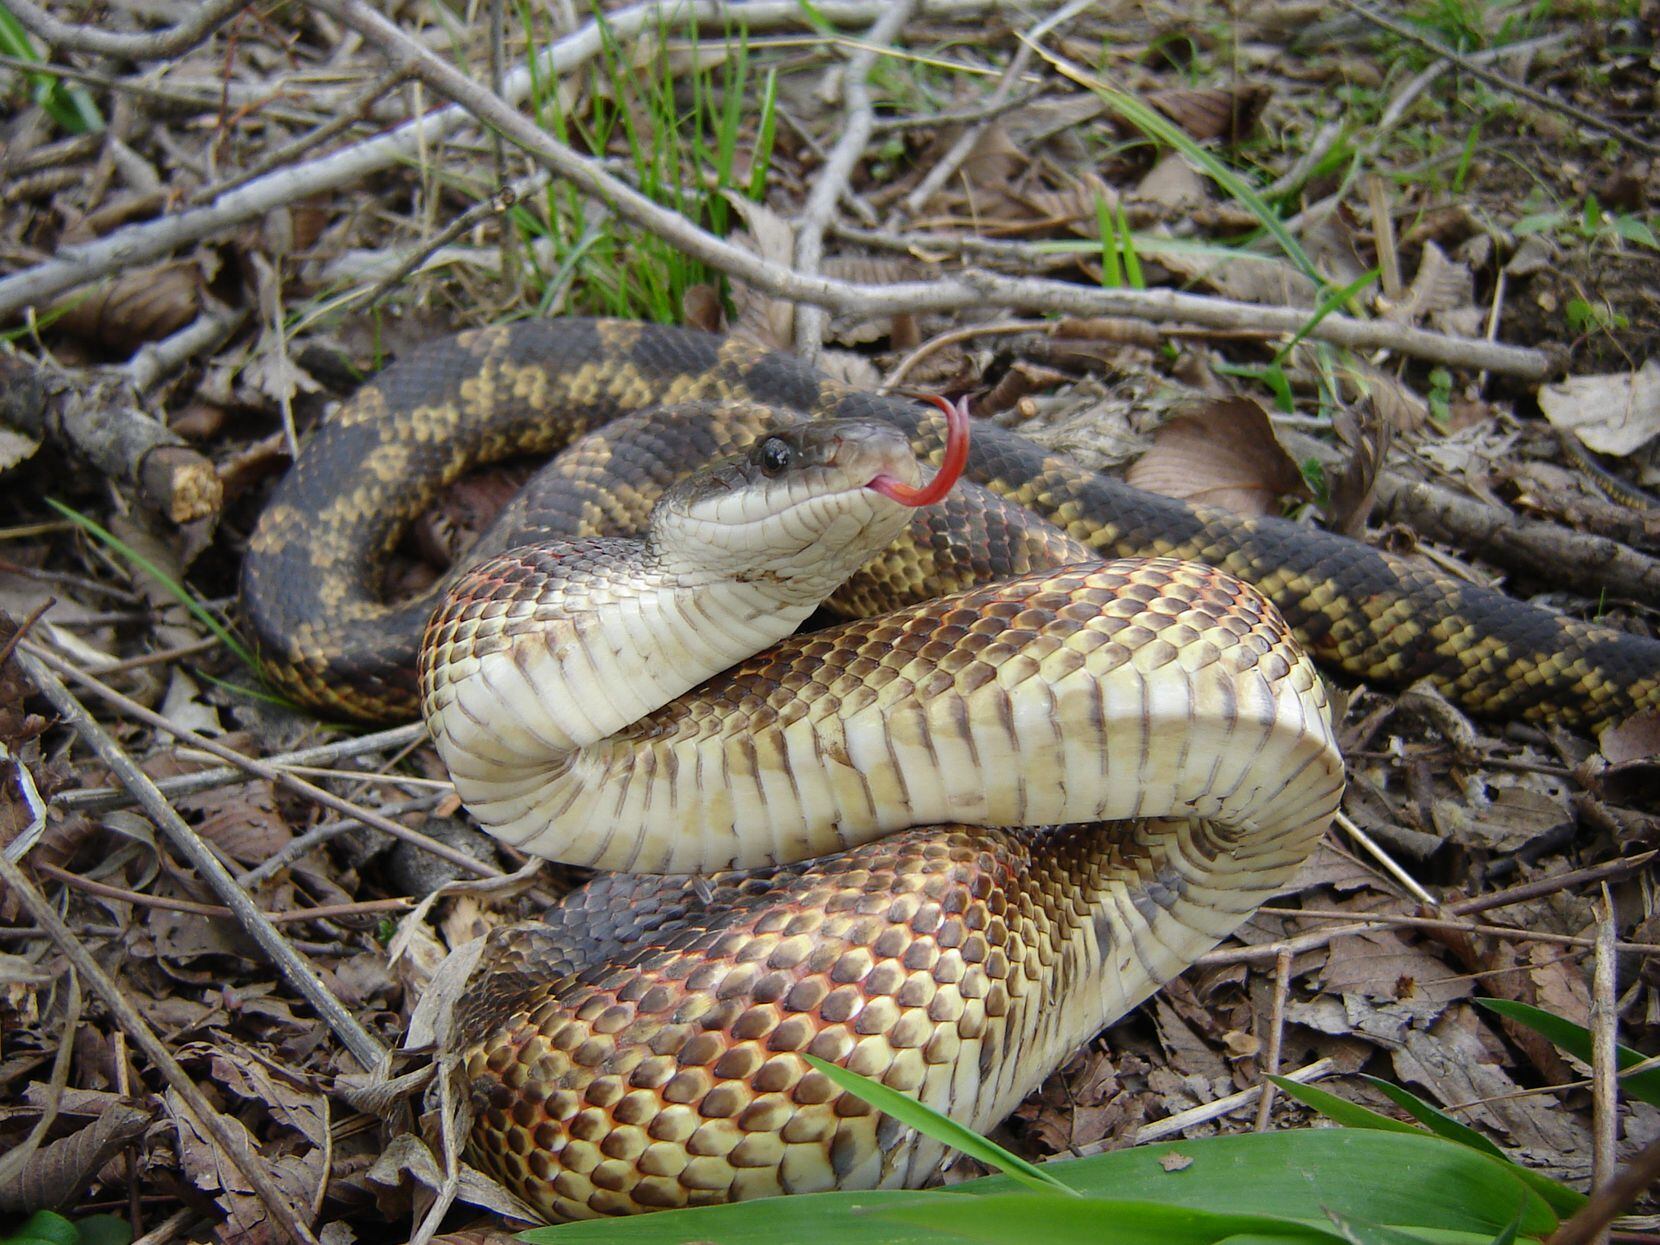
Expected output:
(804, 506)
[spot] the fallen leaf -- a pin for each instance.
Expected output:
(1223, 454)
(136, 307)
(1612, 414)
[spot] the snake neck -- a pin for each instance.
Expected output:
(627, 631)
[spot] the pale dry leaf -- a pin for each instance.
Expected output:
(1379, 964)
(1615, 414)
(245, 823)
(15, 448)
(1458, 1061)
(758, 316)
(994, 163)
(1222, 454)
(1516, 816)
(1244, 276)
(1637, 738)
(1397, 407)
(184, 707)
(851, 369)
(1173, 185)
(1441, 285)
(245, 1074)
(1032, 123)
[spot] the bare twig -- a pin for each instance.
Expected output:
(154, 360)
(1276, 1034)
(968, 289)
(209, 16)
(136, 244)
(232, 1142)
(952, 160)
(304, 844)
(37, 667)
(101, 799)
(1158, 1130)
(265, 770)
(1388, 862)
(836, 172)
(1605, 1064)
(324, 912)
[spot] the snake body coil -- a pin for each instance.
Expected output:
(643, 1048)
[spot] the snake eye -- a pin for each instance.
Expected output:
(774, 455)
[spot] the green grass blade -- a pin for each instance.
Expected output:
(1432, 1118)
(1112, 276)
(1330, 301)
(177, 590)
(66, 103)
(766, 133)
(1156, 126)
(1644, 1086)
(1132, 261)
(931, 1123)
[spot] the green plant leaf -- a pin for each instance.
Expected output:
(1560, 1198)
(1408, 1181)
(43, 1228)
(931, 1123)
(1644, 1086)
(1000, 1218)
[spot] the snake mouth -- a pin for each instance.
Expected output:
(951, 465)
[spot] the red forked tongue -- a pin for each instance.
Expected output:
(951, 466)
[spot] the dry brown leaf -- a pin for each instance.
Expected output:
(1441, 285)
(1222, 454)
(1243, 275)
(246, 824)
(1379, 964)
(1354, 487)
(1213, 112)
(137, 307)
(1637, 738)
(57, 1174)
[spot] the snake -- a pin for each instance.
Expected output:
(940, 844)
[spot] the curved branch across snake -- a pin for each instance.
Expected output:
(642, 1048)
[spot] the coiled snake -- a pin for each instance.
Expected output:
(642, 1047)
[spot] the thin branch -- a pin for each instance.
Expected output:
(1638, 1178)
(969, 289)
(156, 45)
(36, 666)
(265, 770)
(135, 244)
(1605, 1064)
(835, 175)
(233, 1142)
(102, 799)
(959, 151)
